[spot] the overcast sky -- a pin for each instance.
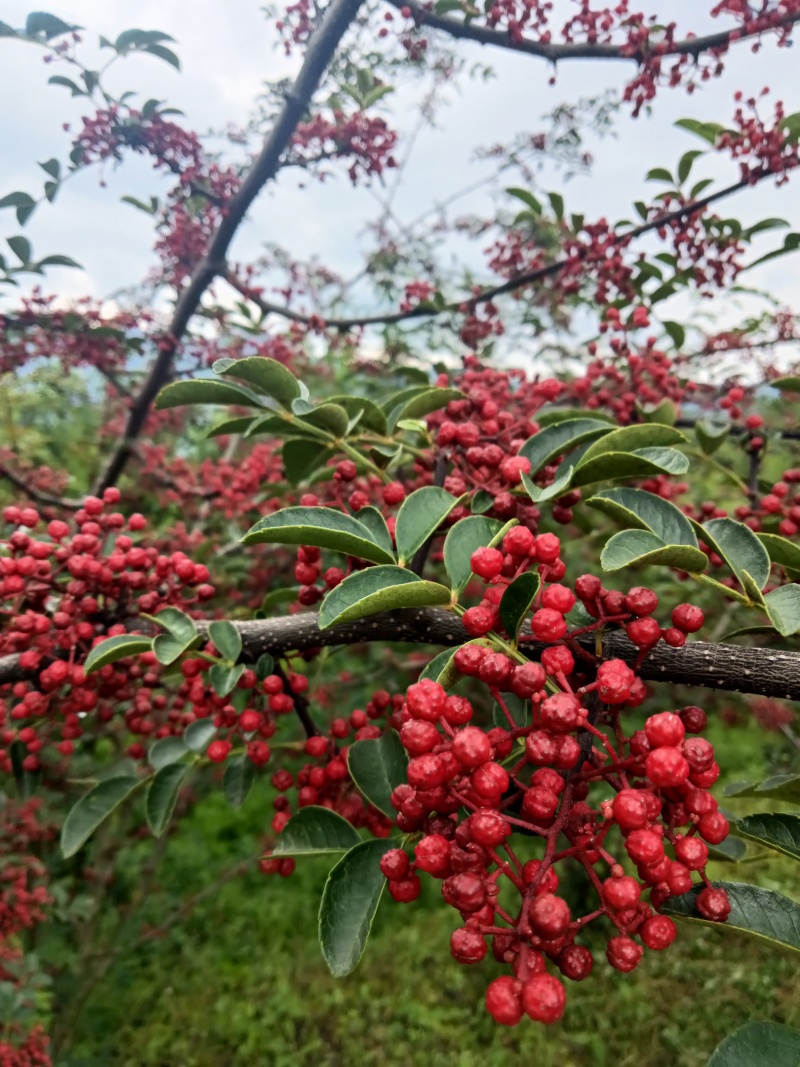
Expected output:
(227, 50)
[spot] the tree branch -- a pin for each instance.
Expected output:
(39, 496)
(692, 46)
(320, 52)
(516, 281)
(730, 668)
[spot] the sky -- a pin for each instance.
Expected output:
(228, 50)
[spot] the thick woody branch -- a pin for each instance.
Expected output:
(321, 49)
(554, 53)
(730, 668)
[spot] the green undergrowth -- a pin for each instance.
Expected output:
(240, 981)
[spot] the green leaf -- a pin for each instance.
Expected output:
(6, 30)
(731, 850)
(51, 167)
(783, 608)
(376, 524)
(378, 589)
(116, 648)
(199, 735)
(280, 426)
(699, 187)
(302, 457)
(645, 511)
(163, 53)
(641, 547)
(788, 384)
(395, 401)
(205, 391)
(162, 795)
(329, 417)
(423, 403)
(711, 435)
(21, 247)
(659, 174)
(709, 131)
(560, 438)
(781, 832)
(527, 198)
(239, 424)
(177, 622)
(84, 818)
(372, 417)
(518, 708)
(676, 332)
(783, 787)
(40, 24)
(265, 664)
(620, 466)
(665, 412)
(759, 1045)
(743, 631)
(238, 780)
(482, 501)
(167, 648)
(59, 79)
(321, 527)
(225, 679)
(378, 766)
(462, 540)
(420, 516)
(763, 225)
(686, 162)
(632, 439)
(227, 640)
(349, 902)
(546, 416)
(557, 204)
(17, 200)
(756, 911)
(781, 550)
(58, 261)
(517, 600)
(739, 547)
(557, 487)
(791, 243)
(165, 751)
(316, 830)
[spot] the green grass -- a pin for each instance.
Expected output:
(241, 983)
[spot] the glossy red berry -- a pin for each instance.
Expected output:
(688, 618)
(486, 562)
(543, 998)
(623, 953)
(504, 1000)
(713, 904)
(658, 932)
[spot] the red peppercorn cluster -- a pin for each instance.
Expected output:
(64, 589)
(639, 798)
(325, 780)
(24, 898)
